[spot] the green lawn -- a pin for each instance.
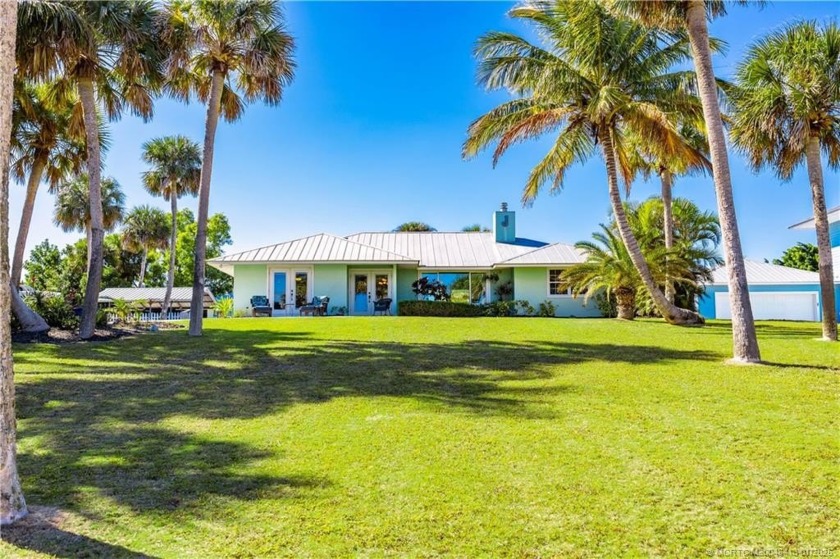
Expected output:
(428, 437)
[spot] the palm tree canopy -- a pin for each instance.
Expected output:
(593, 74)
(72, 206)
(696, 233)
(44, 129)
(146, 228)
(176, 166)
(246, 40)
(414, 226)
(788, 91)
(112, 42)
(669, 14)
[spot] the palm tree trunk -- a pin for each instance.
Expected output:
(30, 321)
(87, 96)
(213, 108)
(170, 278)
(815, 177)
(12, 503)
(625, 300)
(143, 260)
(744, 342)
(35, 175)
(667, 180)
(669, 312)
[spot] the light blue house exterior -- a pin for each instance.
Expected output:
(357, 270)
(777, 292)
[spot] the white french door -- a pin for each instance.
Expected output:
(289, 289)
(367, 287)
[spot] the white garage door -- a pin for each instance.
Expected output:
(775, 305)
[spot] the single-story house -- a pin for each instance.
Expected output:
(151, 298)
(834, 238)
(359, 269)
(776, 293)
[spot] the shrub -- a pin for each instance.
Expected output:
(547, 309)
(101, 318)
(505, 291)
(55, 310)
(438, 308)
(500, 308)
(526, 307)
(224, 307)
(125, 310)
(606, 304)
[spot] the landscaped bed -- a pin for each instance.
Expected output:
(423, 437)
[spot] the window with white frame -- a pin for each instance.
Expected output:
(556, 284)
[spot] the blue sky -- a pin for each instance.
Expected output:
(369, 135)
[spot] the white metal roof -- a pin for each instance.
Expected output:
(768, 274)
(319, 248)
(833, 216)
(157, 294)
(553, 254)
(441, 250)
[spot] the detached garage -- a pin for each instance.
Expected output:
(776, 293)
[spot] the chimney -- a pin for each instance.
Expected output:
(504, 225)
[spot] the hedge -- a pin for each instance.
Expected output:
(438, 308)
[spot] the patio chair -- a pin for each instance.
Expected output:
(260, 306)
(382, 305)
(318, 306)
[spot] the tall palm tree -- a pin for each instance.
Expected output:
(413, 226)
(649, 159)
(213, 45)
(475, 228)
(176, 169)
(598, 79)
(73, 210)
(108, 54)
(691, 16)
(787, 110)
(145, 228)
(46, 146)
(12, 503)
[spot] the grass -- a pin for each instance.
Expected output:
(428, 437)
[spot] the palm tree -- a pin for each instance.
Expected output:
(691, 16)
(787, 110)
(46, 145)
(414, 226)
(609, 269)
(599, 79)
(73, 208)
(475, 228)
(176, 168)
(145, 228)
(649, 159)
(214, 45)
(695, 238)
(12, 503)
(107, 53)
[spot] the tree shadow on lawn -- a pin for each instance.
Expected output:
(42, 532)
(789, 329)
(98, 428)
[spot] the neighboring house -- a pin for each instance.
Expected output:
(834, 236)
(151, 298)
(356, 270)
(778, 292)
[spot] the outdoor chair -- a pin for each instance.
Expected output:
(382, 305)
(260, 306)
(318, 306)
